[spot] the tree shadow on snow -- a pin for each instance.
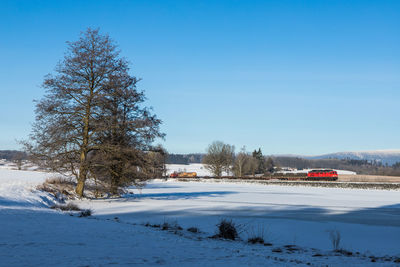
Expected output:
(42, 202)
(178, 195)
(380, 216)
(156, 186)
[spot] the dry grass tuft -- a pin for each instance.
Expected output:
(227, 230)
(61, 188)
(66, 207)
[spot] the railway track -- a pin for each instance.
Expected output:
(327, 184)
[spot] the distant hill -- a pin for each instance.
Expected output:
(389, 157)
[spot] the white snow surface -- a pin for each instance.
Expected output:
(17, 189)
(33, 235)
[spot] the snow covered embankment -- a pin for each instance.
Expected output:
(18, 190)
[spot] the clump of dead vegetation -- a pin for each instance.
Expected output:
(71, 207)
(227, 229)
(62, 188)
(171, 225)
(193, 230)
(66, 207)
(256, 235)
(85, 213)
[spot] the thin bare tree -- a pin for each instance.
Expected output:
(240, 166)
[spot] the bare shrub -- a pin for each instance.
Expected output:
(60, 181)
(335, 237)
(344, 252)
(172, 225)
(59, 187)
(148, 224)
(85, 213)
(256, 240)
(46, 188)
(227, 229)
(193, 230)
(67, 207)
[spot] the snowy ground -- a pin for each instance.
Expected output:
(33, 235)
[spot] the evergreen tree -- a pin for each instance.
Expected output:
(260, 161)
(270, 165)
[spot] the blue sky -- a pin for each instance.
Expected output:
(301, 77)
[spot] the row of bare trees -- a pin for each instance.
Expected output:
(221, 158)
(92, 122)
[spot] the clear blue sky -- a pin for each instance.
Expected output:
(302, 77)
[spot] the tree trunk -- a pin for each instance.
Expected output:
(80, 187)
(83, 168)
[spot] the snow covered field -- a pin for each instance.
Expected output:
(33, 235)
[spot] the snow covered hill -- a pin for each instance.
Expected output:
(385, 156)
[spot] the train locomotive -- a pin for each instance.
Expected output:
(313, 175)
(322, 175)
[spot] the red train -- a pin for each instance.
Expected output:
(329, 175)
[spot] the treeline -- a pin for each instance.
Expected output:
(12, 155)
(184, 158)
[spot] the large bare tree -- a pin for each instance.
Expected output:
(219, 157)
(91, 108)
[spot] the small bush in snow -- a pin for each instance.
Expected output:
(60, 181)
(335, 237)
(344, 252)
(227, 229)
(171, 226)
(61, 188)
(85, 213)
(148, 224)
(193, 230)
(67, 207)
(256, 240)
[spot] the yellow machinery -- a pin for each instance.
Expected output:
(187, 175)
